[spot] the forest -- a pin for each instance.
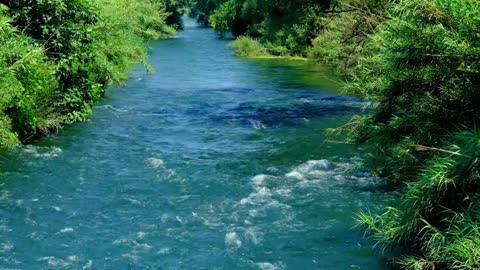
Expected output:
(417, 62)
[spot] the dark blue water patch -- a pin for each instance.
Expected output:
(295, 113)
(344, 99)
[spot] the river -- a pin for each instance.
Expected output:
(213, 162)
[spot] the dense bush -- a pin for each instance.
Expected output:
(437, 225)
(348, 27)
(64, 29)
(60, 55)
(421, 70)
(248, 47)
(174, 10)
(280, 24)
(27, 85)
(202, 9)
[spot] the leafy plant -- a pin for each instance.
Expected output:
(58, 56)
(248, 47)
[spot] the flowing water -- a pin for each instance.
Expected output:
(213, 162)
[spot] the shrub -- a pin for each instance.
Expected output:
(285, 24)
(420, 69)
(421, 72)
(248, 47)
(27, 85)
(437, 224)
(348, 27)
(58, 56)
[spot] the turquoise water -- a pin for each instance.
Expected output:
(213, 162)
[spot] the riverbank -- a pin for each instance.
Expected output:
(59, 57)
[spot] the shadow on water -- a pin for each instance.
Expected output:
(297, 113)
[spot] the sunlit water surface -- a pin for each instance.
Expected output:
(213, 162)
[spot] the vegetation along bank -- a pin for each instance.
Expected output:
(57, 57)
(418, 62)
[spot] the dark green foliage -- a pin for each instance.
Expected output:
(420, 67)
(421, 71)
(63, 28)
(437, 224)
(294, 24)
(202, 9)
(174, 9)
(60, 55)
(286, 26)
(348, 28)
(27, 85)
(248, 47)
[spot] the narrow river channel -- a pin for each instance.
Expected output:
(213, 162)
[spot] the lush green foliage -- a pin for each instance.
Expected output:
(419, 66)
(438, 221)
(286, 26)
(421, 71)
(60, 55)
(202, 9)
(347, 29)
(26, 82)
(174, 10)
(248, 47)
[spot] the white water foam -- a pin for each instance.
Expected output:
(73, 258)
(6, 247)
(164, 251)
(322, 174)
(154, 162)
(88, 265)
(110, 107)
(134, 245)
(67, 230)
(269, 266)
(141, 235)
(253, 236)
(261, 193)
(257, 124)
(233, 240)
(43, 152)
(4, 225)
(275, 194)
(312, 168)
(260, 179)
(55, 263)
(305, 101)
(131, 257)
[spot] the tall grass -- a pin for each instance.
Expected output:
(437, 224)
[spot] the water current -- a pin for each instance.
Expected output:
(213, 162)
